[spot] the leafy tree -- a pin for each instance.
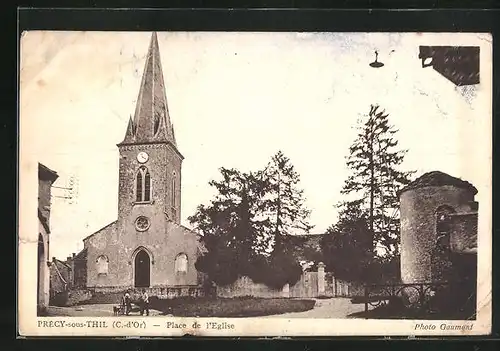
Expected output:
(347, 245)
(375, 180)
(228, 227)
(243, 226)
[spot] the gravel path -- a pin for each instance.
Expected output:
(324, 308)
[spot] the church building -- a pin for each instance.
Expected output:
(146, 247)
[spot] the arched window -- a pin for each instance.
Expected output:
(443, 226)
(143, 185)
(172, 196)
(147, 186)
(181, 263)
(138, 187)
(102, 265)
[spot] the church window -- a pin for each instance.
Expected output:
(102, 265)
(147, 186)
(181, 263)
(138, 183)
(142, 223)
(173, 190)
(443, 226)
(143, 185)
(172, 196)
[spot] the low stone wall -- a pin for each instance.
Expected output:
(162, 292)
(310, 285)
(71, 297)
(244, 286)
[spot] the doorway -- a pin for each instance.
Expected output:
(142, 270)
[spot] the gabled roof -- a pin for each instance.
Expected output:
(81, 255)
(437, 178)
(97, 231)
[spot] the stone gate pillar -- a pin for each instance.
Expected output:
(286, 290)
(321, 278)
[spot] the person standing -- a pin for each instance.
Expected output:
(128, 303)
(145, 303)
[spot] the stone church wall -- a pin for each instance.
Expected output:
(120, 249)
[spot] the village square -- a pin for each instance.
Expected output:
(404, 244)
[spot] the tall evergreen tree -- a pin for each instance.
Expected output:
(375, 179)
(284, 202)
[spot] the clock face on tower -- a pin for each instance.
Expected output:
(142, 157)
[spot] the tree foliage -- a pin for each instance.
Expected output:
(244, 225)
(283, 204)
(228, 226)
(347, 245)
(375, 179)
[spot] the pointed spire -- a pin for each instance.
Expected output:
(151, 119)
(130, 133)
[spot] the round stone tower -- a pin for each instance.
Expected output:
(422, 203)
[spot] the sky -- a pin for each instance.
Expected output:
(235, 99)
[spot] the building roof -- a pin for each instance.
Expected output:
(458, 64)
(151, 123)
(437, 178)
(45, 173)
(97, 231)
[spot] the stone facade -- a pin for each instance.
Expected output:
(146, 247)
(432, 200)
(46, 177)
(121, 249)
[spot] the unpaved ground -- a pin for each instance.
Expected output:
(324, 308)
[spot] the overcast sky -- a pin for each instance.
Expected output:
(235, 99)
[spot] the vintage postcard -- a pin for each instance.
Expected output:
(254, 184)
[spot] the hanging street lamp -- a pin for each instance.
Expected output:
(376, 63)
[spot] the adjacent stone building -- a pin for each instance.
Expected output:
(438, 229)
(146, 246)
(46, 177)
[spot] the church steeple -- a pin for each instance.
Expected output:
(151, 121)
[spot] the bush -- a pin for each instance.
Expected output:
(276, 271)
(222, 268)
(231, 307)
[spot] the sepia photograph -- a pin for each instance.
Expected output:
(254, 183)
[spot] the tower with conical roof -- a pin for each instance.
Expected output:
(150, 163)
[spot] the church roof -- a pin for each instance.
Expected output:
(437, 178)
(97, 231)
(151, 122)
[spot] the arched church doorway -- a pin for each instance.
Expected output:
(41, 271)
(142, 270)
